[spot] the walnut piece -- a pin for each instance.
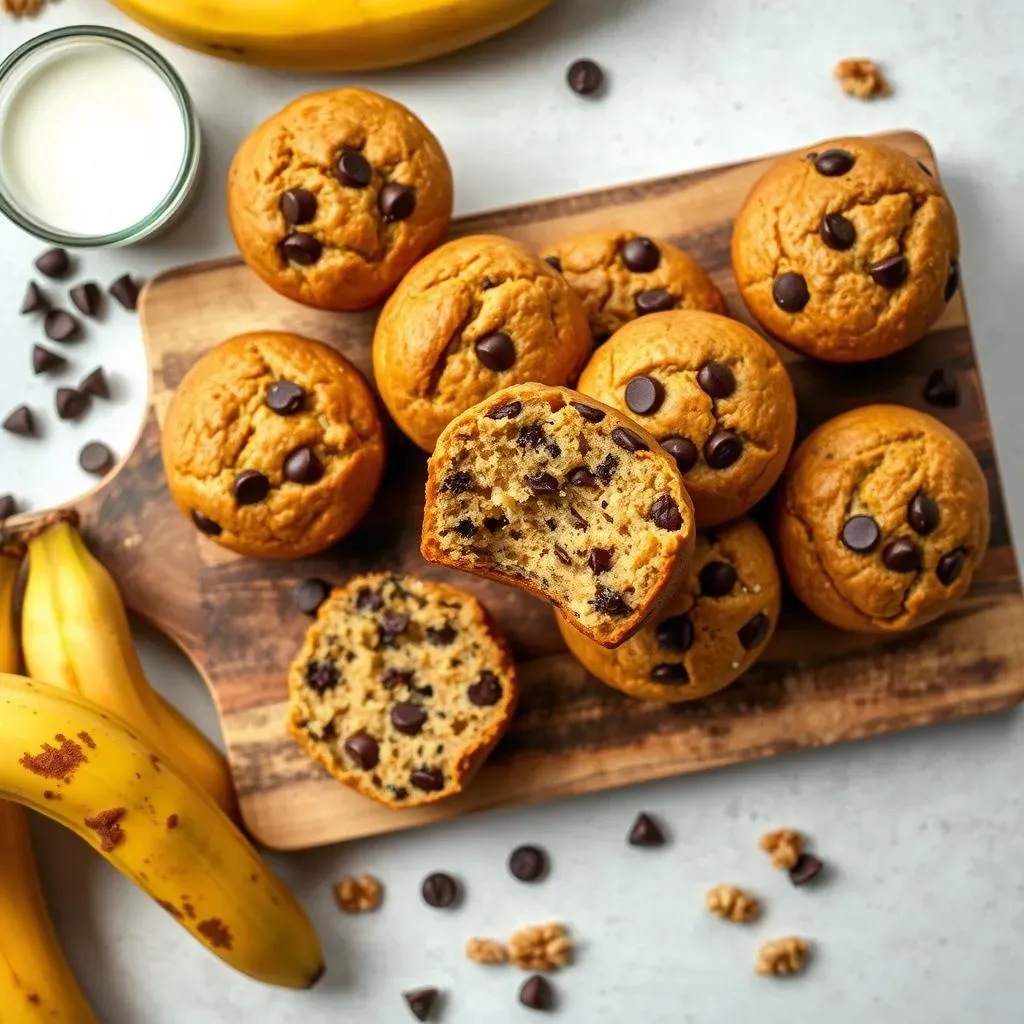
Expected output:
(486, 951)
(785, 845)
(731, 903)
(358, 895)
(540, 947)
(860, 77)
(782, 956)
(19, 7)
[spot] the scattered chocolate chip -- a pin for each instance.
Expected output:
(204, 524)
(675, 633)
(465, 528)
(96, 458)
(610, 602)
(285, 398)
(486, 691)
(250, 487)
(922, 514)
(837, 232)
(87, 297)
(396, 677)
(722, 449)
(8, 506)
(495, 523)
(441, 636)
(717, 579)
(754, 633)
(310, 593)
(562, 555)
(834, 162)
(716, 379)
(421, 1001)
(599, 560)
(396, 201)
(43, 360)
(861, 534)
(889, 273)
(554, 262)
(942, 388)
(506, 411)
(70, 403)
(531, 436)
(950, 566)
(34, 301)
(806, 868)
(126, 291)
(321, 676)
(665, 513)
(655, 300)
(20, 421)
(302, 466)
(95, 383)
(670, 672)
(53, 263)
(408, 719)
(298, 247)
(363, 749)
(440, 890)
(398, 792)
(528, 863)
(368, 600)
(585, 77)
(901, 555)
(395, 623)
(496, 351)
(588, 412)
(577, 520)
(536, 992)
(353, 168)
(580, 476)
(626, 438)
(298, 206)
(790, 292)
(458, 482)
(488, 283)
(641, 255)
(542, 483)
(645, 831)
(644, 395)
(60, 325)
(952, 280)
(683, 450)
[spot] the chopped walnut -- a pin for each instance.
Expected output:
(358, 895)
(19, 7)
(785, 845)
(486, 951)
(540, 947)
(731, 903)
(782, 956)
(862, 78)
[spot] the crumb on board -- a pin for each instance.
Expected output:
(731, 903)
(358, 895)
(861, 78)
(785, 846)
(782, 956)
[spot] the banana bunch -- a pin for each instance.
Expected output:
(328, 35)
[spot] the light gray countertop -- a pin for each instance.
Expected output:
(922, 916)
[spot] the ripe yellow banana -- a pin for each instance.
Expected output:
(67, 758)
(75, 634)
(36, 984)
(328, 35)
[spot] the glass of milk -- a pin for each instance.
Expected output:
(99, 141)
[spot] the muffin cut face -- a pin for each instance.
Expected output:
(569, 500)
(401, 689)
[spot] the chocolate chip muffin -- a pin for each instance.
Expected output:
(846, 251)
(477, 315)
(882, 519)
(716, 396)
(710, 632)
(401, 689)
(622, 275)
(273, 446)
(335, 197)
(546, 490)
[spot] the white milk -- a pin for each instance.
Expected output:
(92, 140)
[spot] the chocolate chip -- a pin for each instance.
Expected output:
(950, 566)
(397, 677)
(396, 201)
(922, 514)
(670, 672)
(645, 831)
(655, 300)
(126, 291)
(562, 555)
(368, 600)
(531, 436)
(96, 458)
(542, 483)
(790, 292)
(610, 602)
(716, 379)
(665, 513)
(363, 749)
(836, 231)
(285, 398)
(250, 487)
(408, 718)
(834, 162)
(585, 77)
(554, 262)
(95, 383)
(599, 560)
(644, 395)
(458, 482)
(495, 523)
(861, 534)
(580, 477)
(496, 351)
(302, 466)
(488, 283)
(395, 623)
(53, 263)
(70, 403)
(8, 506)
(942, 388)
(506, 411)
(298, 206)
(952, 280)
(641, 255)
(310, 593)
(87, 297)
(43, 360)
(605, 469)
(754, 633)
(536, 993)
(441, 636)
(722, 449)
(626, 438)
(430, 780)
(204, 524)
(675, 633)
(35, 301)
(398, 792)
(465, 528)
(353, 169)
(901, 555)
(20, 422)
(298, 247)
(889, 273)
(486, 691)
(528, 863)
(321, 676)
(61, 326)
(717, 579)
(421, 1001)
(806, 868)
(683, 450)
(588, 412)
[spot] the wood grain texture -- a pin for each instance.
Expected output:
(814, 686)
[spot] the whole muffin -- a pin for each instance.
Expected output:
(846, 251)
(335, 197)
(273, 445)
(708, 634)
(621, 275)
(475, 316)
(713, 392)
(882, 519)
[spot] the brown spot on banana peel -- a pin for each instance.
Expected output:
(107, 825)
(172, 910)
(55, 762)
(172, 821)
(216, 933)
(87, 740)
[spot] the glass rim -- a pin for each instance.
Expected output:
(187, 170)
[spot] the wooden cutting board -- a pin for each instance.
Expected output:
(814, 686)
